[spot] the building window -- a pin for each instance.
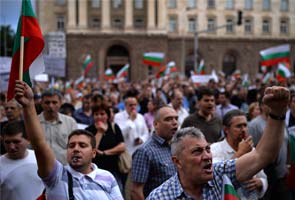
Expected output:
(192, 25)
(266, 5)
(229, 26)
(117, 4)
(172, 4)
(117, 23)
(266, 26)
(191, 3)
(229, 4)
(138, 23)
(248, 26)
(211, 25)
(284, 26)
(284, 5)
(172, 24)
(138, 4)
(60, 23)
(95, 22)
(211, 3)
(60, 2)
(95, 3)
(248, 4)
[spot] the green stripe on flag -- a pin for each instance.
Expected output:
(229, 191)
(154, 59)
(276, 55)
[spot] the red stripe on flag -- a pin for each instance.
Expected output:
(148, 62)
(230, 197)
(274, 61)
(89, 66)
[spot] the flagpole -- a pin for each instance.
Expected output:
(21, 58)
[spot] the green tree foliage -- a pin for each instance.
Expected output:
(6, 40)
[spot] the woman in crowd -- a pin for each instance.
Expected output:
(109, 141)
(253, 111)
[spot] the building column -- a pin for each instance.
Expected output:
(106, 15)
(72, 14)
(151, 14)
(83, 14)
(128, 14)
(162, 14)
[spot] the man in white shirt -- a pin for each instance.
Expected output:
(18, 167)
(132, 125)
(176, 103)
(236, 144)
(56, 126)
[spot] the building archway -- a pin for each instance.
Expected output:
(229, 63)
(117, 56)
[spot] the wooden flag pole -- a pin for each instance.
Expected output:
(21, 58)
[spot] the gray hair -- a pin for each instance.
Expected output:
(176, 144)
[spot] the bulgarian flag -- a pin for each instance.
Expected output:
(153, 58)
(27, 60)
(161, 72)
(123, 72)
(275, 55)
(108, 75)
(201, 68)
(87, 65)
(228, 190)
(79, 83)
(267, 77)
(283, 72)
(170, 68)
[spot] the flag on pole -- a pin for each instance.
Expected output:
(245, 82)
(79, 83)
(267, 77)
(108, 75)
(275, 55)
(87, 65)
(170, 68)
(153, 58)
(228, 191)
(123, 72)
(283, 72)
(33, 62)
(201, 68)
(161, 72)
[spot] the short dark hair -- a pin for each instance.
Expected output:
(86, 133)
(14, 128)
(225, 93)
(205, 91)
(103, 106)
(231, 114)
(50, 93)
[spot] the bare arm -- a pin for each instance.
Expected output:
(120, 148)
(137, 191)
(44, 155)
(276, 98)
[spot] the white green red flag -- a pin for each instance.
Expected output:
(228, 191)
(245, 82)
(283, 72)
(87, 65)
(79, 83)
(267, 77)
(170, 68)
(33, 62)
(123, 72)
(153, 58)
(275, 55)
(161, 72)
(108, 75)
(201, 68)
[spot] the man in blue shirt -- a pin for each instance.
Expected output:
(88, 181)
(197, 178)
(152, 163)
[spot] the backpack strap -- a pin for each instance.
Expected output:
(70, 186)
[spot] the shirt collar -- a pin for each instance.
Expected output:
(227, 147)
(158, 139)
(42, 119)
(79, 175)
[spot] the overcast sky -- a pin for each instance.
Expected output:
(10, 11)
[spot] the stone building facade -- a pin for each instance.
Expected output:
(116, 32)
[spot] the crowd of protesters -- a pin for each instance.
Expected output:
(141, 118)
